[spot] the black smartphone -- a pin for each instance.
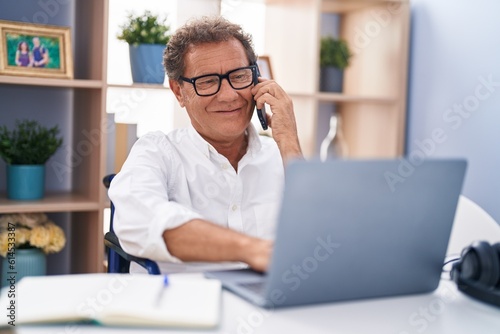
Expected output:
(261, 113)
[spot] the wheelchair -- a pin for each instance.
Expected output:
(118, 259)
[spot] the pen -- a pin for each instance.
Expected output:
(160, 293)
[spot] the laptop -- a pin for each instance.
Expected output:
(356, 229)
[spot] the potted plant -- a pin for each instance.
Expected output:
(25, 240)
(25, 150)
(334, 58)
(147, 35)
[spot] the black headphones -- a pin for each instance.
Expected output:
(477, 272)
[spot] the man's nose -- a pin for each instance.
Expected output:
(226, 92)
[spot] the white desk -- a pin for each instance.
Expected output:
(445, 311)
(442, 312)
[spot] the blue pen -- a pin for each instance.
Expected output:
(160, 293)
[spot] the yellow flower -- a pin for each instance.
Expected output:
(22, 236)
(56, 237)
(31, 219)
(5, 220)
(32, 230)
(39, 236)
(4, 245)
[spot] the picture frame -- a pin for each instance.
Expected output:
(264, 63)
(35, 50)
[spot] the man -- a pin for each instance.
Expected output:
(209, 192)
(40, 54)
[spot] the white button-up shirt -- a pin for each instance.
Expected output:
(168, 180)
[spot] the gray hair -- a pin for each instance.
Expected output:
(203, 30)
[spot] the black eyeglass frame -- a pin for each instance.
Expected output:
(192, 81)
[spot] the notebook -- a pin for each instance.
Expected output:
(116, 300)
(356, 229)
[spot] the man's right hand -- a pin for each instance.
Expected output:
(258, 255)
(200, 240)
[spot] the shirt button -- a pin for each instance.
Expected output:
(234, 207)
(225, 166)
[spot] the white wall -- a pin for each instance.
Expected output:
(455, 51)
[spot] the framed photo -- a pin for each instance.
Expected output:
(35, 50)
(264, 63)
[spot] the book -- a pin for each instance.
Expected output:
(115, 300)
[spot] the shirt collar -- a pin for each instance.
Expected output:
(254, 144)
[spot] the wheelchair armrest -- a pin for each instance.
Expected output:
(111, 241)
(107, 180)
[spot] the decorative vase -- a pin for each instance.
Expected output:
(332, 145)
(331, 79)
(26, 262)
(146, 63)
(25, 182)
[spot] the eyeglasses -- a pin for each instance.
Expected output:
(209, 84)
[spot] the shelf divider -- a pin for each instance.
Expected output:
(64, 83)
(52, 202)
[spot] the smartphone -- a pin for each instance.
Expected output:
(261, 113)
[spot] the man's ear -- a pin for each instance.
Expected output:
(176, 89)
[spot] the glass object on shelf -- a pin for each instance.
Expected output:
(333, 146)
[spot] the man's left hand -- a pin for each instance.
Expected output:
(282, 117)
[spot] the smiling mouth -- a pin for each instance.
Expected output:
(229, 111)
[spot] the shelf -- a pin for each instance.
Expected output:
(52, 202)
(373, 101)
(335, 6)
(36, 81)
(78, 107)
(338, 97)
(139, 85)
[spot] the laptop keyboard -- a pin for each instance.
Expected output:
(255, 287)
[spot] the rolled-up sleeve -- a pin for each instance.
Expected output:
(140, 193)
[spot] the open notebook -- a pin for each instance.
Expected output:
(117, 300)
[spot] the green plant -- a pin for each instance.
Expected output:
(145, 29)
(29, 143)
(334, 53)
